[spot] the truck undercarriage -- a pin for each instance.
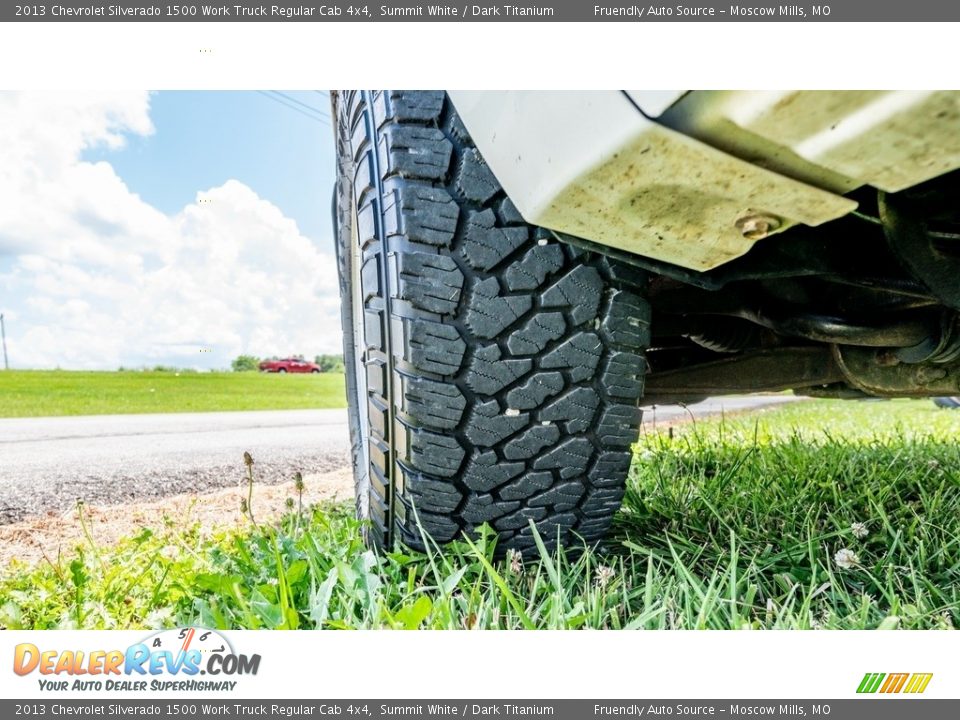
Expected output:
(863, 306)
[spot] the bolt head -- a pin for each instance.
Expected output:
(757, 226)
(886, 358)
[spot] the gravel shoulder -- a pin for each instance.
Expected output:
(45, 539)
(49, 464)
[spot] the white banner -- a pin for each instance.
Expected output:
(451, 665)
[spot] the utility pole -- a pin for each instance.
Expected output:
(3, 334)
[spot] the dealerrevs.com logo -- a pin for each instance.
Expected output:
(168, 660)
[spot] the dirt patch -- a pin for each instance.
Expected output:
(54, 534)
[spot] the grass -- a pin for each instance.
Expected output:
(735, 523)
(37, 393)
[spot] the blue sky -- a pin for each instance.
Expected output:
(203, 139)
(177, 228)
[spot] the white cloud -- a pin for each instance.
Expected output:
(97, 278)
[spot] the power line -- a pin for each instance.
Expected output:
(319, 111)
(322, 119)
(312, 113)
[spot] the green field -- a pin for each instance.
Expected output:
(36, 393)
(816, 515)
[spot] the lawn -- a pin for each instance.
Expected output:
(816, 515)
(35, 393)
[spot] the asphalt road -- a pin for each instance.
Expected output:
(714, 406)
(47, 464)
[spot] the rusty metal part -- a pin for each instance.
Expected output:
(770, 370)
(872, 372)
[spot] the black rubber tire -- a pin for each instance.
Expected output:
(948, 403)
(503, 368)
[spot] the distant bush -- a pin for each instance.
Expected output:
(329, 363)
(157, 369)
(245, 363)
(171, 369)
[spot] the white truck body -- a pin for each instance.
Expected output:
(696, 178)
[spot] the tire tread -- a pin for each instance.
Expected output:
(518, 361)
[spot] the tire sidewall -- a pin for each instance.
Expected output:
(344, 213)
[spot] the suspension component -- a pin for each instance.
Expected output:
(768, 370)
(817, 370)
(902, 333)
(942, 347)
(876, 373)
(925, 255)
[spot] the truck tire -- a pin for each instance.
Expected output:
(493, 372)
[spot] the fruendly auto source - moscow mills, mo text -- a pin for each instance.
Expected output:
(638, 12)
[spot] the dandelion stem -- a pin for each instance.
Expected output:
(248, 461)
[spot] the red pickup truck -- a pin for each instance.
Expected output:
(285, 365)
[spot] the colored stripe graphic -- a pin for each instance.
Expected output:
(870, 682)
(894, 683)
(918, 682)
